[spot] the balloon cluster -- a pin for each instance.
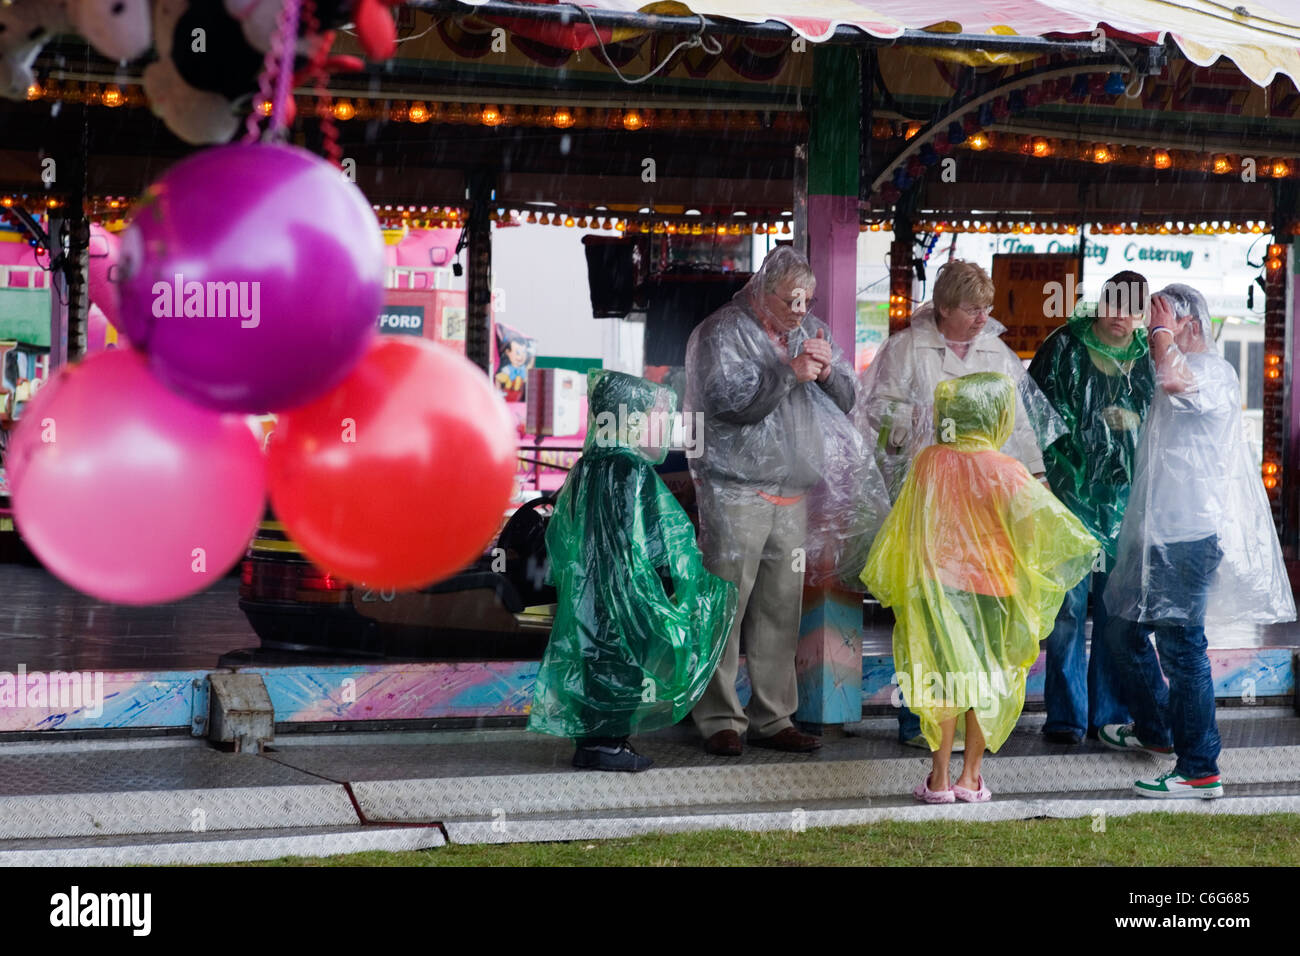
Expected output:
(251, 280)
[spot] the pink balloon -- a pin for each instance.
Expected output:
(252, 277)
(126, 491)
(104, 250)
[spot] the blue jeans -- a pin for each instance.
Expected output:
(1180, 715)
(1081, 690)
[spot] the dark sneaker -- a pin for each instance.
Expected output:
(1068, 737)
(1174, 786)
(1122, 737)
(622, 758)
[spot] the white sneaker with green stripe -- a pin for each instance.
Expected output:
(1174, 786)
(1122, 737)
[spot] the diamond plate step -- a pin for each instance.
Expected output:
(541, 828)
(229, 847)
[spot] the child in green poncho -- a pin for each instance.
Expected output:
(640, 624)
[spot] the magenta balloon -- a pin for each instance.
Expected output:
(127, 491)
(281, 266)
(104, 250)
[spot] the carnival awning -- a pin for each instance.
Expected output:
(1263, 40)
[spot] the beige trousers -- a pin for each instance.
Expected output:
(752, 543)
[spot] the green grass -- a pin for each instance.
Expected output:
(1161, 839)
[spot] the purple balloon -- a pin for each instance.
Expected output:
(252, 277)
(127, 491)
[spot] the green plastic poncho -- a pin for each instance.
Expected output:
(1103, 393)
(975, 558)
(640, 624)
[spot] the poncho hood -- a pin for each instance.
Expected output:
(975, 412)
(626, 413)
(1083, 328)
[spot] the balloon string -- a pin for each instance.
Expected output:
(275, 75)
(286, 38)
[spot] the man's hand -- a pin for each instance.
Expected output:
(820, 350)
(1160, 312)
(806, 368)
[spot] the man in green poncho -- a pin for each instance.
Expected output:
(1098, 375)
(640, 624)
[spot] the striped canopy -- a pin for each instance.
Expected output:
(1262, 39)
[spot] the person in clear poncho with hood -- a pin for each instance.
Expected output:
(640, 624)
(1096, 372)
(781, 482)
(975, 559)
(1197, 546)
(950, 336)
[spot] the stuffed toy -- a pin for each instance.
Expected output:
(197, 115)
(117, 29)
(25, 27)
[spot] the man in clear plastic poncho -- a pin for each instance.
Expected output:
(975, 559)
(1197, 545)
(774, 393)
(1096, 373)
(640, 624)
(953, 335)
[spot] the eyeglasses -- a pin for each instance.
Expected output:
(798, 301)
(976, 310)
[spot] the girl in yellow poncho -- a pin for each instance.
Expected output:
(975, 558)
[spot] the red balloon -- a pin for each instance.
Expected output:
(400, 476)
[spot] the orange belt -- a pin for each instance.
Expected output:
(778, 499)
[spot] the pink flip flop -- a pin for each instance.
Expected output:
(966, 795)
(926, 795)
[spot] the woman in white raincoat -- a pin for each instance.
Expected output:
(1197, 545)
(951, 336)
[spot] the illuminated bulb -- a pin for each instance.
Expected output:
(569, 221)
(264, 107)
(1279, 169)
(1161, 159)
(1041, 147)
(1102, 154)
(772, 230)
(562, 119)
(1221, 165)
(632, 120)
(722, 230)
(344, 110)
(34, 91)
(490, 116)
(1256, 228)
(1274, 264)
(1275, 251)
(978, 141)
(912, 130)
(112, 96)
(874, 227)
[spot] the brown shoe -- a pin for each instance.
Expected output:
(789, 740)
(725, 743)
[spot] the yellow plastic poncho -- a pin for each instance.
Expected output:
(975, 559)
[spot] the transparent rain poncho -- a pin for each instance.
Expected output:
(764, 431)
(1195, 477)
(896, 412)
(639, 624)
(1102, 394)
(975, 559)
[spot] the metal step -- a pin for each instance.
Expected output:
(774, 816)
(222, 847)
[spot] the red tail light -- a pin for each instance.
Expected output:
(316, 580)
